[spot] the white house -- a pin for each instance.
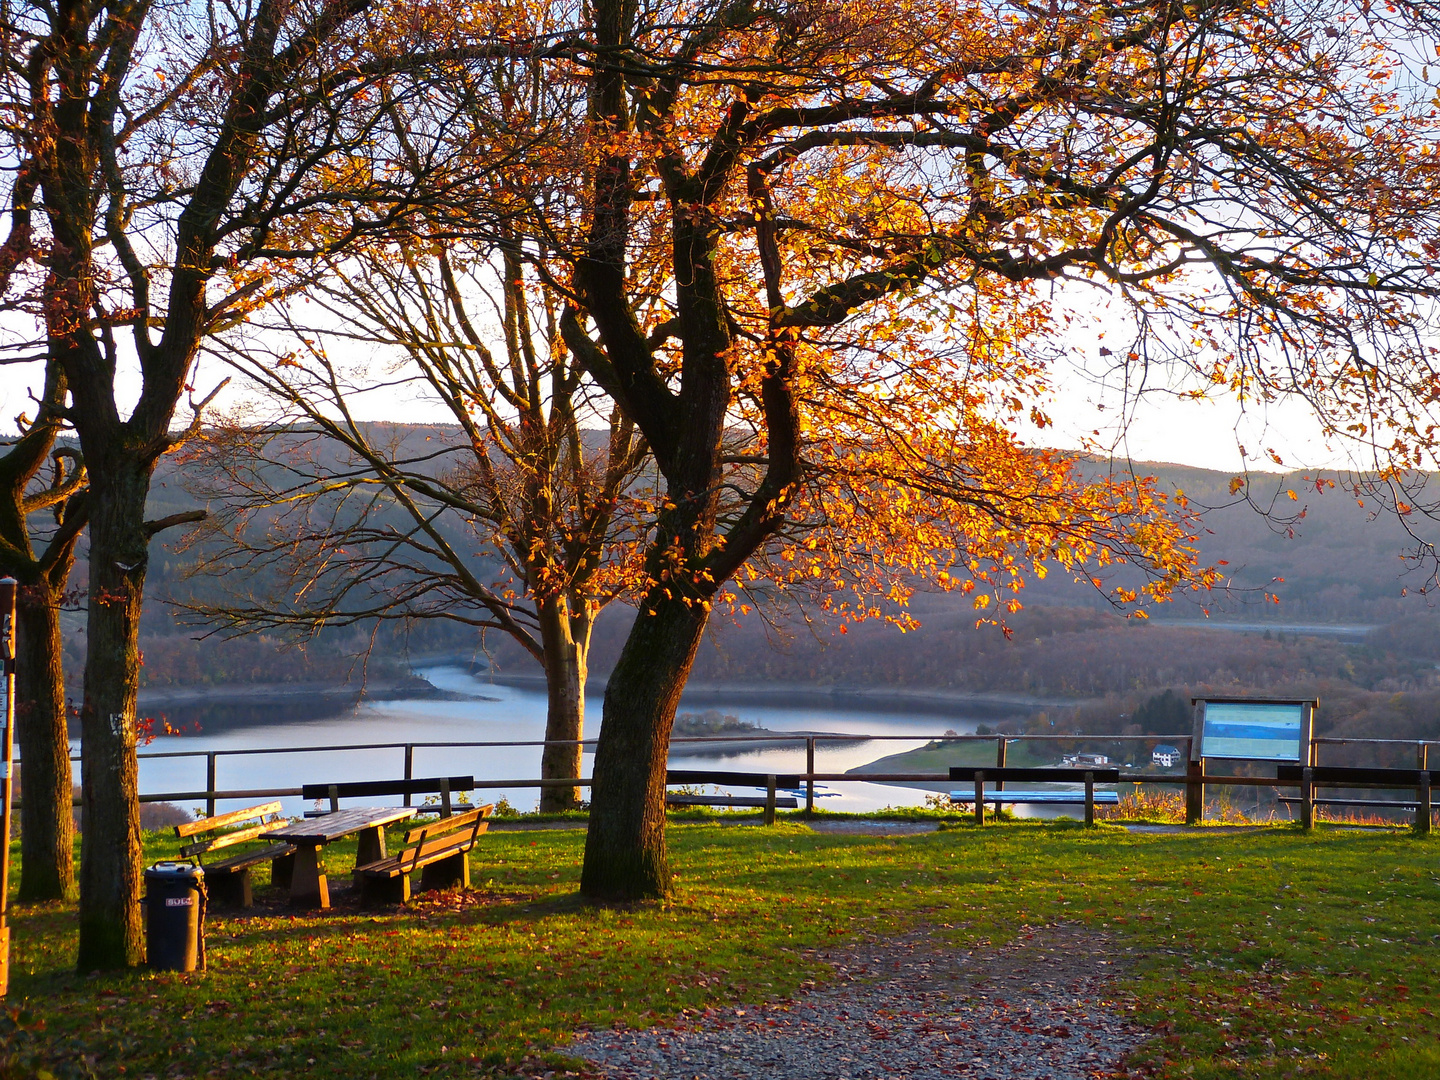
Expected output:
(1166, 757)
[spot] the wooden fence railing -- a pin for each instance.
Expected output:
(1195, 779)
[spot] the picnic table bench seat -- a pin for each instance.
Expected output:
(443, 786)
(439, 849)
(786, 802)
(227, 880)
(1037, 797)
(1089, 777)
(768, 782)
(1310, 777)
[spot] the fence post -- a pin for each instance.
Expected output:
(769, 800)
(1307, 799)
(810, 779)
(1195, 792)
(979, 797)
(1422, 796)
(1089, 799)
(1000, 760)
(409, 767)
(210, 784)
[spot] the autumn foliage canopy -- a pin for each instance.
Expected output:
(818, 254)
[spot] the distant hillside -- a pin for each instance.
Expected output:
(1341, 562)
(1341, 565)
(1053, 652)
(176, 653)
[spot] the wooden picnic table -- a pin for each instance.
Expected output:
(309, 886)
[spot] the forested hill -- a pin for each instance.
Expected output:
(1342, 565)
(1342, 560)
(1330, 563)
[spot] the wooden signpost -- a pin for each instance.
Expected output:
(7, 768)
(1249, 729)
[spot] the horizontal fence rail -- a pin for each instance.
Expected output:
(1194, 779)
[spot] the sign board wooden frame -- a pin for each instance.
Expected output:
(1253, 729)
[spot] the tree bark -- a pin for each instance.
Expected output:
(567, 649)
(625, 852)
(110, 933)
(47, 823)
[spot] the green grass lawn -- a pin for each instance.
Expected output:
(1267, 954)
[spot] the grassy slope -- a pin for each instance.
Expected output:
(1265, 954)
(938, 758)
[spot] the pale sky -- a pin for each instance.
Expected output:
(1207, 434)
(1159, 426)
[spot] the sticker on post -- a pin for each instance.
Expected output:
(179, 901)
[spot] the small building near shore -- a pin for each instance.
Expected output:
(1167, 757)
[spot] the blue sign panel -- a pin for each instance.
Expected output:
(1253, 730)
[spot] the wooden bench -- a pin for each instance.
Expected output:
(1089, 777)
(444, 786)
(1309, 777)
(439, 849)
(228, 880)
(769, 802)
(788, 802)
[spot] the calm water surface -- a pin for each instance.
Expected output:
(502, 714)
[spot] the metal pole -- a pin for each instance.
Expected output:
(1089, 799)
(210, 784)
(7, 767)
(1000, 760)
(1422, 796)
(409, 767)
(810, 779)
(979, 797)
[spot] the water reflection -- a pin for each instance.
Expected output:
(490, 712)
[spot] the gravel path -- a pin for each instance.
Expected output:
(1041, 1009)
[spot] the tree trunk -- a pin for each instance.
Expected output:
(110, 852)
(567, 649)
(47, 824)
(625, 855)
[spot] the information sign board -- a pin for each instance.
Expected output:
(1253, 730)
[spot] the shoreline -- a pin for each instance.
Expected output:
(298, 693)
(333, 697)
(987, 704)
(794, 694)
(856, 698)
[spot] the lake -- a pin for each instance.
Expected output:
(498, 713)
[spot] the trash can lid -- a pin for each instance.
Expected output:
(171, 869)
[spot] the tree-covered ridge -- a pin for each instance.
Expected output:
(1341, 565)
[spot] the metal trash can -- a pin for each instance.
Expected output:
(175, 916)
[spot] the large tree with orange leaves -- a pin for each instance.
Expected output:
(816, 241)
(161, 161)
